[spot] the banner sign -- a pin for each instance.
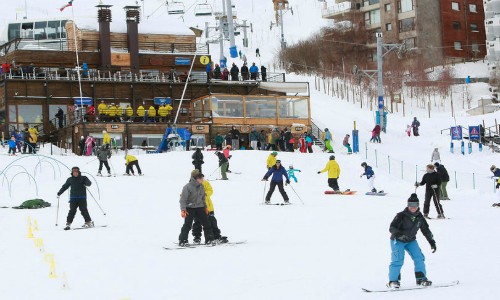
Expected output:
(456, 133)
(83, 101)
(163, 100)
(474, 134)
(182, 61)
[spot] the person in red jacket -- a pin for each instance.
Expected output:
(302, 144)
(228, 156)
(376, 134)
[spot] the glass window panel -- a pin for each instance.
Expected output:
(12, 114)
(406, 5)
(30, 114)
(455, 6)
(295, 108)
(473, 8)
(52, 27)
(14, 31)
(61, 30)
(261, 107)
(227, 107)
(406, 25)
(54, 108)
(40, 30)
(457, 45)
(474, 27)
(375, 16)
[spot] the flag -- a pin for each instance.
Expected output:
(70, 3)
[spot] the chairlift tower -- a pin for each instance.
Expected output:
(281, 7)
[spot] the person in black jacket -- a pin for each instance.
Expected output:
(234, 72)
(288, 136)
(81, 144)
(103, 154)
(244, 72)
(403, 231)
(60, 115)
(197, 159)
(235, 135)
(431, 181)
(443, 175)
(223, 164)
(77, 197)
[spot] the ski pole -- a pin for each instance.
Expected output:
(436, 198)
(112, 168)
(57, 212)
(214, 172)
(296, 194)
(96, 201)
(264, 192)
(92, 160)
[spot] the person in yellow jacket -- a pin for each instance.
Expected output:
(106, 139)
(111, 111)
(129, 112)
(271, 160)
(33, 130)
(333, 173)
(210, 212)
(168, 109)
(152, 113)
(119, 113)
(32, 141)
(162, 113)
(130, 162)
(102, 109)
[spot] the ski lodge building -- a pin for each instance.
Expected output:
(131, 69)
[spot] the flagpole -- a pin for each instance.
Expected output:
(77, 60)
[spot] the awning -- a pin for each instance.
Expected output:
(286, 87)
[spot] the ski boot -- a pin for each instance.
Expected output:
(374, 190)
(222, 240)
(441, 216)
(109, 174)
(380, 192)
(99, 173)
(197, 240)
(88, 224)
(496, 204)
(183, 243)
(68, 226)
(393, 284)
(211, 242)
(287, 202)
(424, 282)
(427, 216)
(267, 202)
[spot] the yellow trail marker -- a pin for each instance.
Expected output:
(35, 225)
(52, 273)
(30, 232)
(39, 244)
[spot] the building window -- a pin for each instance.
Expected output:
(372, 17)
(457, 45)
(371, 2)
(474, 27)
(455, 6)
(388, 27)
(388, 7)
(405, 5)
(456, 25)
(410, 43)
(473, 8)
(406, 25)
(475, 47)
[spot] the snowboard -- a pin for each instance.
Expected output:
(381, 193)
(177, 247)
(340, 193)
(99, 226)
(409, 288)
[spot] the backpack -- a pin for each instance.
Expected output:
(33, 204)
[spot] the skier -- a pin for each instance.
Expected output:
(495, 171)
(333, 169)
(192, 202)
(403, 231)
(291, 173)
(277, 171)
(228, 156)
(443, 175)
(77, 197)
(327, 136)
(89, 144)
(103, 154)
(376, 134)
(370, 175)
(223, 164)
(187, 138)
(415, 125)
(346, 144)
(211, 216)
(257, 52)
(435, 157)
(197, 159)
(431, 181)
(130, 162)
(302, 144)
(497, 187)
(263, 73)
(12, 146)
(271, 160)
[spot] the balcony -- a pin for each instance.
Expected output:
(340, 11)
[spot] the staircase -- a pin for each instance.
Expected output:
(317, 134)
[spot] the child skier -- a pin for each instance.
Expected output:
(333, 169)
(403, 231)
(103, 154)
(432, 181)
(130, 162)
(228, 156)
(346, 144)
(370, 175)
(77, 197)
(278, 172)
(211, 215)
(408, 130)
(223, 164)
(12, 146)
(291, 173)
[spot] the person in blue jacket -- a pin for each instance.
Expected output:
(209, 70)
(495, 171)
(254, 72)
(370, 175)
(278, 172)
(187, 138)
(12, 145)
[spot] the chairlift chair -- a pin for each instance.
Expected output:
(175, 8)
(203, 9)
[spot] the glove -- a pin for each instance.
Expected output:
(319, 172)
(434, 186)
(360, 176)
(264, 179)
(433, 246)
(288, 182)
(184, 213)
(206, 210)
(417, 184)
(403, 238)
(58, 195)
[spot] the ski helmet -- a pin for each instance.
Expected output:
(493, 167)
(363, 164)
(332, 157)
(278, 161)
(290, 167)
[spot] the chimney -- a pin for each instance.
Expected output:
(104, 18)
(133, 18)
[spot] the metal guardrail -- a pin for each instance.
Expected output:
(317, 133)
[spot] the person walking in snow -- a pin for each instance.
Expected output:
(403, 231)
(497, 187)
(130, 162)
(103, 154)
(77, 197)
(193, 206)
(443, 175)
(309, 142)
(257, 52)
(302, 144)
(211, 215)
(495, 171)
(278, 172)
(271, 160)
(346, 144)
(333, 169)
(408, 130)
(435, 157)
(431, 181)
(197, 159)
(12, 146)
(327, 137)
(223, 164)
(370, 175)
(263, 73)
(291, 173)
(415, 125)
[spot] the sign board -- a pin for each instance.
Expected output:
(474, 133)
(163, 100)
(245, 129)
(456, 133)
(299, 129)
(205, 60)
(116, 128)
(83, 101)
(200, 129)
(380, 102)
(396, 98)
(182, 61)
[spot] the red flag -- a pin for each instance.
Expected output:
(70, 3)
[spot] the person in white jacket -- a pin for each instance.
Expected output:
(436, 157)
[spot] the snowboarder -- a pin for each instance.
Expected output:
(271, 160)
(435, 157)
(443, 175)
(495, 171)
(77, 197)
(333, 169)
(12, 145)
(197, 159)
(403, 231)
(370, 175)
(327, 137)
(278, 172)
(103, 154)
(211, 216)
(223, 164)
(431, 181)
(130, 162)
(192, 202)
(346, 144)
(415, 125)
(291, 173)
